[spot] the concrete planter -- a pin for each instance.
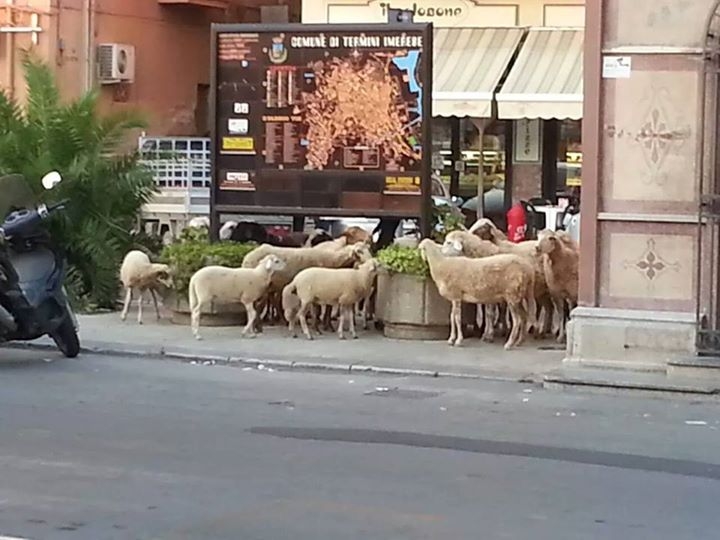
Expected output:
(217, 315)
(411, 307)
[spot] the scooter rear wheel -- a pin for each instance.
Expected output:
(66, 338)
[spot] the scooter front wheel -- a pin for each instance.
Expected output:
(66, 338)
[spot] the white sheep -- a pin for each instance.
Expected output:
(465, 243)
(138, 273)
(298, 259)
(499, 278)
(332, 245)
(486, 230)
(560, 258)
(231, 285)
(342, 287)
(226, 230)
(199, 222)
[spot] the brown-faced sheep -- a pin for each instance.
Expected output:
(560, 266)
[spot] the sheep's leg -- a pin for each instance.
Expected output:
(544, 320)
(490, 315)
(558, 317)
(351, 313)
(155, 301)
(516, 327)
(453, 333)
(341, 322)
(457, 309)
(303, 321)
(479, 317)
(561, 323)
(128, 301)
(291, 324)
(195, 320)
(140, 304)
(367, 309)
(519, 316)
(251, 315)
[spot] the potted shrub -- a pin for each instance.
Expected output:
(188, 256)
(408, 302)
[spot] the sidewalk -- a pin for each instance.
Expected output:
(274, 348)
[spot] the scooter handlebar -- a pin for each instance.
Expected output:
(29, 219)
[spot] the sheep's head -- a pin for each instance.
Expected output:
(227, 229)
(361, 252)
(548, 242)
(357, 235)
(372, 265)
(485, 229)
(452, 247)
(162, 274)
(273, 263)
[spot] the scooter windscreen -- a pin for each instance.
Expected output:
(15, 194)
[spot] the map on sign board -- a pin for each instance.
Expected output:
(328, 117)
(355, 107)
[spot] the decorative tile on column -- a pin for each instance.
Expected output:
(651, 266)
(655, 137)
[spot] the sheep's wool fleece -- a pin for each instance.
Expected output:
(229, 284)
(481, 281)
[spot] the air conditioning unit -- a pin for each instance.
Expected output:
(115, 63)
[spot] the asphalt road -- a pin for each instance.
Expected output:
(122, 448)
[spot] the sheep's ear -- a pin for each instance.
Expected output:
(457, 245)
(268, 263)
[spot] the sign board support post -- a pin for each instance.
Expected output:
(407, 16)
(426, 217)
(214, 185)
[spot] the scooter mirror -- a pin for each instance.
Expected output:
(51, 179)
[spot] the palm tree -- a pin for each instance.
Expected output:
(106, 185)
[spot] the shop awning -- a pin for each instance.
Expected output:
(468, 64)
(546, 80)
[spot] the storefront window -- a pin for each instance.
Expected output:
(493, 156)
(468, 167)
(441, 147)
(569, 164)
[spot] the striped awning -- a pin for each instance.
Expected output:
(468, 64)
(546, 80)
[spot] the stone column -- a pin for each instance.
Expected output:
(641, 142)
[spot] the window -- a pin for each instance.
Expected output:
(569, 162)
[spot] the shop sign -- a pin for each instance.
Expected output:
(427, 10)
(616, 67)
(526, 144)
(442, 13)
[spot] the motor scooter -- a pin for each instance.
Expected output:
(33, 301)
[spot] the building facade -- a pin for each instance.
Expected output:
(649, 235)
(507, 88)
(170, 40)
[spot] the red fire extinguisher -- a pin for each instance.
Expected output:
(516, 223)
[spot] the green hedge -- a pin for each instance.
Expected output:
(403, 260)
(189, 256)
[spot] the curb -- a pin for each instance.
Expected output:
(301, 365)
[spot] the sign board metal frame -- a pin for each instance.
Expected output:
(426, 70)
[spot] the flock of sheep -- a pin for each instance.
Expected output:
(518, 287)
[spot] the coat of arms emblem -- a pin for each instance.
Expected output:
(278, 52)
